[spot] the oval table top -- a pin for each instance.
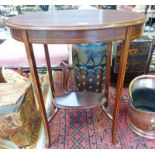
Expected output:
(75, 20)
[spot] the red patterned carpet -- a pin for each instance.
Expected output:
(91, 129)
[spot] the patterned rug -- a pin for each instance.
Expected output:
(91, 129)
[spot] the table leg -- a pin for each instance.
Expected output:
(107, 81)
(49, 69)
(108, 67)
(50, 81)
(120, 82)
(35, 80)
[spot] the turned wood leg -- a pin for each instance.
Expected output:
(120, 82)
(35, 80)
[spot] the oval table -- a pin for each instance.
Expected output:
(72, 27)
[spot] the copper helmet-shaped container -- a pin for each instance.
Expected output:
(141, 108)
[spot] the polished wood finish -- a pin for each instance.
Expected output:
(77, 26)
(76, 36)
(35, 79)
(108, 71)
(62, 27)
(80, 100)
(75, 20)
(49, 69)
(65, 68)
(120, 81)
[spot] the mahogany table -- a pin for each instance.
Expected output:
(72, 27)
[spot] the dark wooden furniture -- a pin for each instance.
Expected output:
(139, 59)
(72, 27)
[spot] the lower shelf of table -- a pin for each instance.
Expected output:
(80, 100)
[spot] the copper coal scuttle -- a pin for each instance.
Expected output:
(141, 108)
